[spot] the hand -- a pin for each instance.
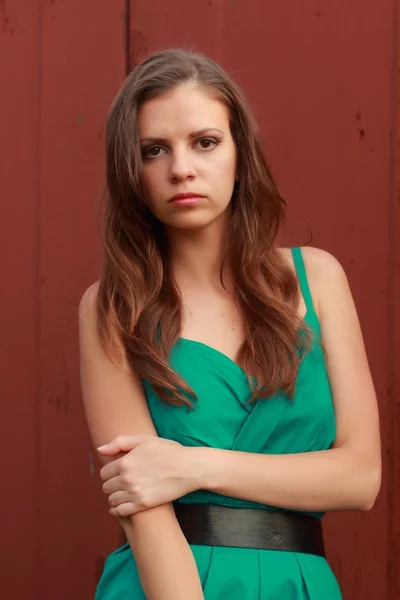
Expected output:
(152, 471)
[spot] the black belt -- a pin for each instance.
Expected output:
(263, 529)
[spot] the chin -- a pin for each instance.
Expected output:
(189, 223)
(194, 219)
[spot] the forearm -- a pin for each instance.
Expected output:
(165, 562)
(312, 481)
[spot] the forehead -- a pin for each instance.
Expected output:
(180, 111)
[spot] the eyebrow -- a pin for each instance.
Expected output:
(192, 135)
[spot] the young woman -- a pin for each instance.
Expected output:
(225, 379)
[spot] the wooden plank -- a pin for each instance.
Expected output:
(82, 67)
(393, 473)
(20, 53)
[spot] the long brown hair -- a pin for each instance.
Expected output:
(138, 300)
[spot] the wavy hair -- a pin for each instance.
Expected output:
(138, 301)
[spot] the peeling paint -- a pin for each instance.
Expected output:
(61, 402)
(5, 19)
(66, 395)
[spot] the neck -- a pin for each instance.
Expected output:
(197, 256)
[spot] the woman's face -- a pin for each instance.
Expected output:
(189, 157)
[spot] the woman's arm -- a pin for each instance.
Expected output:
(115, 405)
(345, 477)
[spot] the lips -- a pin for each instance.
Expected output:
(185, 196)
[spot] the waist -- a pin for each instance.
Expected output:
(256, 528)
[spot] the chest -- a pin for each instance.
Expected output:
(213, 320)
(222, 416)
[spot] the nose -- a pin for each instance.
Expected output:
(181, 167)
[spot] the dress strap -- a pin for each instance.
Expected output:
(302, 277)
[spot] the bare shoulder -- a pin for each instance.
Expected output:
(324, 271)
(320, 262)
(328, 280)
(87, 320)
(87, 303)
(325, 274)
(315, 259)
(331, 292)
(89, 333)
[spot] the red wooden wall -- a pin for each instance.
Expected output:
(323, 79)
(61, 63)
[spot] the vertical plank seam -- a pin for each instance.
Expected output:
(393, 426)
(219, 42)
(36, 299)
(127, 35)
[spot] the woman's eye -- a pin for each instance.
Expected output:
(207, 143)
(152, 152)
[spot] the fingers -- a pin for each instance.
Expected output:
(120, 497)
(124, 510)
(109, 449)
(112, 485)
(110, 470)
(123, 443)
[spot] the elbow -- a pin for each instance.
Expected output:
(370, 489)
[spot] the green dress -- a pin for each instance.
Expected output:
(222, 418)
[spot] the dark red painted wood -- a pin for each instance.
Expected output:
(322, 78)
(61, 64)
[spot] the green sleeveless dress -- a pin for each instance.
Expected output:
(222, 418)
